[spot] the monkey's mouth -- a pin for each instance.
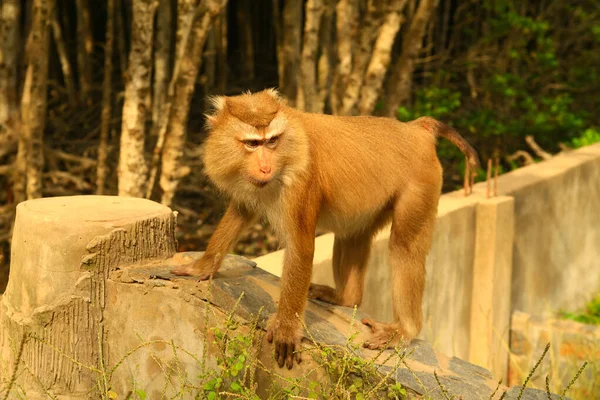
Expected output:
(258, 182)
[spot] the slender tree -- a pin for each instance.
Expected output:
(362, 53)
(381, 58)
(400, 83)
(10, 21)
(85, 47)
(132, 168)
(30, 161)
(346, 28)
(162, 58)
(288, 29)
(308, 95)
(101, 170)
(172, 167)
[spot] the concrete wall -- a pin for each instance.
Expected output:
(557, 224)
(554, 252)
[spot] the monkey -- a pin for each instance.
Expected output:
(350, 175)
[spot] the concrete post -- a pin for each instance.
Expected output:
(491, 298)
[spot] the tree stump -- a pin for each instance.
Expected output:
(63, 250)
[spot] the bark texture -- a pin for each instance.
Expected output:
(308, 95)
(185, 15)
(326, 62)
(362, 53)
(85, 47)
(381, 58)
(400, 83)
(65, 63)
(101, 171)
(346, 28)
(162, 57)
(132, 168)
(246, 37)
(172, 154)
(10, 21)
(288, 25)
(33, 102)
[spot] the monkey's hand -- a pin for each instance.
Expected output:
(202, 268)
(287, 337)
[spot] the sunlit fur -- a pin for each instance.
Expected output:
(349, 175)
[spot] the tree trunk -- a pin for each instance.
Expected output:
(289, 32)
(380, 60)
(85, 47)
(33, 102)
(132, 168)
(185, 15)
(10, 22)
(368, 32)
(101, 171)
(162, 58)
(308, 96)
(183, 38)
(327, 56)
(207, 77)
(222, 68)
(121, 36)
(400, 83)
(244, 17)
(65, 63)
(172, 168)
(347, 27)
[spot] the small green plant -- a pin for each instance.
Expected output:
(591, 314)
(589, 136)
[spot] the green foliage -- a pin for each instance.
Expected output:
(589, 136)
(591, 314)
(514, 74)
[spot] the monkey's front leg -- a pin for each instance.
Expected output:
(235, 219)
(285, 328)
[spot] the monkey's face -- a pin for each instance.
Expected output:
(239, 156)
(254, 146)
(262, 158)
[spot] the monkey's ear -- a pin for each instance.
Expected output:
(210, 120)
(274, 93)
(217, 103)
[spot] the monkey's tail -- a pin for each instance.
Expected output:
(438, 129)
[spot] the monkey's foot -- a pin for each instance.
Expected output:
(384, 335)
(287, 339)
(192, 269)
(323, 293)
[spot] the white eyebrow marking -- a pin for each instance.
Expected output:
(252, 136)
(277, 126)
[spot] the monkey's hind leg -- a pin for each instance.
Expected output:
(350, 257)
(410, 239)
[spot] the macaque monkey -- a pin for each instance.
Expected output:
(348, 175)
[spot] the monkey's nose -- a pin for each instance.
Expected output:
(265, 169)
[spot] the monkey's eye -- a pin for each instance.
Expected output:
(273, 141)
(252, 144)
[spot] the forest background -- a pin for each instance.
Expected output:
(108, 96)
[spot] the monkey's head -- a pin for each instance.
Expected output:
(253, 143)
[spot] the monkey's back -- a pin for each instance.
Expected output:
(364, 164)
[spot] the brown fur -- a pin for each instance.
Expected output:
(349, 175)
